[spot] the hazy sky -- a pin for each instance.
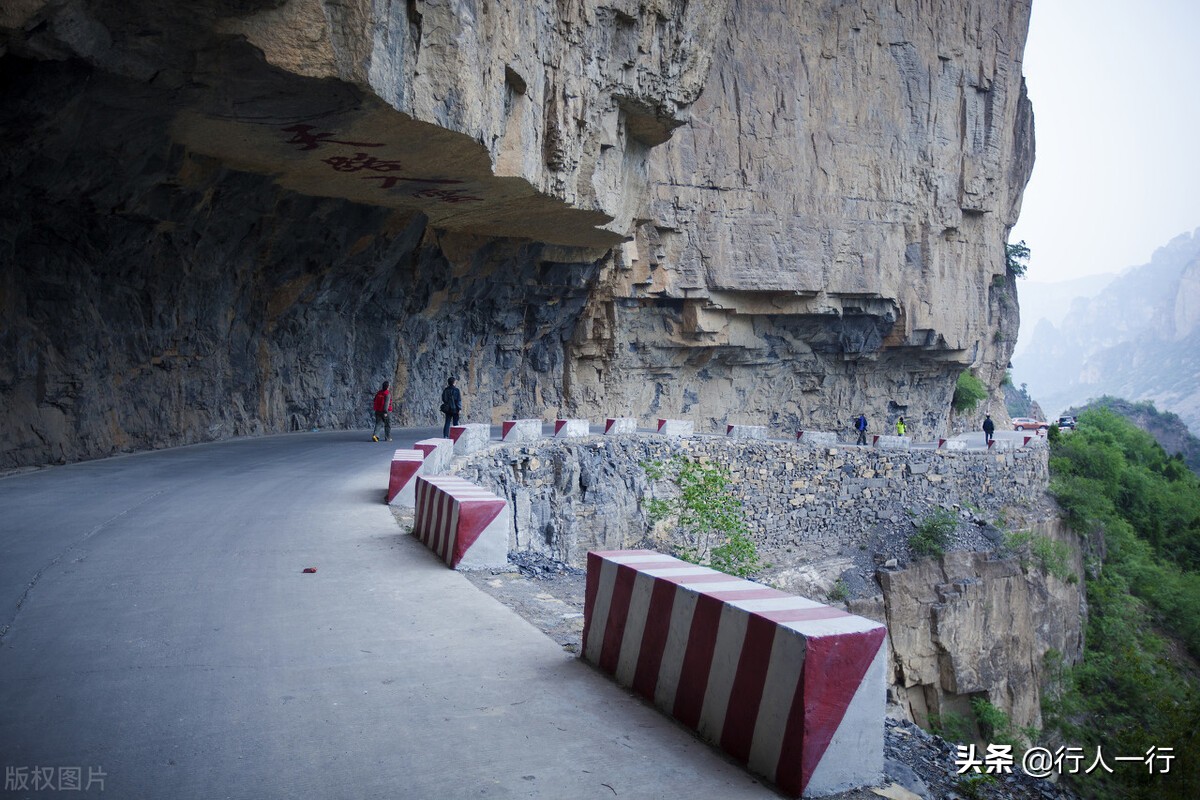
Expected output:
(1115, 86)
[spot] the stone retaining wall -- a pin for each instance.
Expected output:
(801, 502)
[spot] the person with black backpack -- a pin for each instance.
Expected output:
(451, 406)
(860, 425)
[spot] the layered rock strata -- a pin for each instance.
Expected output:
(234, 217)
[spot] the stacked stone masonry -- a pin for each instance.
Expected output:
(800, 501)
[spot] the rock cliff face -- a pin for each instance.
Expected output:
(238, 216)
(972, 624)
(823, 235)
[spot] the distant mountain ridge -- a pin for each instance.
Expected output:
(1139, 339)
(1041, 300)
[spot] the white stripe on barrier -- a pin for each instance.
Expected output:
(815, 628)
(723, 586)
(788, 603)
(635, 626)
(731, 632)
(779, 692)
(682, 611)
(639, 558)
(674, 572)
(599, 622)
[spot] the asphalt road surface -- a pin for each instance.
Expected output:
(158, 639)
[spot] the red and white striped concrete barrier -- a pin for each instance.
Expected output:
(438, 455)
(676, 427)
(571, 428)
(746, 431)
(951, 444)
(466, 525)
(892, 442)
(816, 438)
(406, 465)
(791, 688)
(614, 426)
(521, 430)
(470, 438)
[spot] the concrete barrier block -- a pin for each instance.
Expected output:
(521, 430)
(402, 477)
(893, 442)
(438, 455)
(465, 525)
(470, 438)
(614, 426)
(951, 444)
(816, 438)
(746, 431)
(791, 688)
(676, 427)
(570, 428)
(1003, 444)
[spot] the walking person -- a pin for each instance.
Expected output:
(900, 427)
(860, 425)
(383, 409)
(451, 406)
(989, 428)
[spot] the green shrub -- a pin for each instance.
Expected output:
(708, 521)
(968, 391)
(1053, 433)
(952, 727)
(1016, 258)
(1048, 554)
(933, 533)
(996, 727)
(976, 785)
(840, 592)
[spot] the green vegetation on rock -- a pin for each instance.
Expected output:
(1137, 686)
(933, 533)
(708, 521)
(1016, 258)
(968, 391)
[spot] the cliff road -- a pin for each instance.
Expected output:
(224, 223)
(158, 634)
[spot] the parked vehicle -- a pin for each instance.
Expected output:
(1066, 422)
(1029, 424)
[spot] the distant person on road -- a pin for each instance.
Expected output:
(900, 427)
(383, 407)
(989, 428)
(860, 425)
(451, 406)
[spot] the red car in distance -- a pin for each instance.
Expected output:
(1029, 424)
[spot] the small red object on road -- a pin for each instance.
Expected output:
(310, 569)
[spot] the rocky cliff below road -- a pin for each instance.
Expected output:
(232, 217)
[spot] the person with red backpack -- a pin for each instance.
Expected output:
(383, 407)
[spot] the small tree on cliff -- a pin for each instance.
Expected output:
(1016, 258)
(707, 522)
(967, 393)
